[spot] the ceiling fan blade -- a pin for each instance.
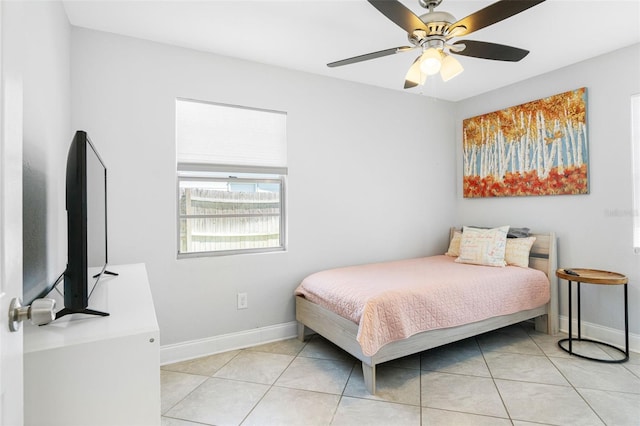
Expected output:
(399, 14)
(491, 14)
(414, 75)
(373, 55)
(486, 50)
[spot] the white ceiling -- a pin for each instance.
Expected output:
(305, 35)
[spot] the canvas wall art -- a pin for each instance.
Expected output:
(537, 148)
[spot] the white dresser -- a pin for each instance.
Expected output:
(89, 370)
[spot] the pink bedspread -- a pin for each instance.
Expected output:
(393, 300)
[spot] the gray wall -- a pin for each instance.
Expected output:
(371, 175)
(594, 230)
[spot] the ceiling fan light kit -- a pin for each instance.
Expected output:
(434, 60)
(451, 67)
(432, 32)
(431, 61)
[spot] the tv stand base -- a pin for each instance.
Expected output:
(106, 272)
(67, 311)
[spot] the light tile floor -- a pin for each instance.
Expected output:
(512, 376)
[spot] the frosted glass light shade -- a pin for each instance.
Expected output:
(431, 61)
(451, 67)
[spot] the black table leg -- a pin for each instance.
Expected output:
(579, 328)
(626, 323)
(570, 322)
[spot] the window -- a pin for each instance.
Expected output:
(231, 179)
(635, 141)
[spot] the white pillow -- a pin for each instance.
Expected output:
(517, 251)
(483, 246)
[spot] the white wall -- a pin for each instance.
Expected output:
(594, 230)
(371, 175)
(41, 41)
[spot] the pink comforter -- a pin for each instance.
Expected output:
(394, 300)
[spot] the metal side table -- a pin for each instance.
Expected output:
(593, 276)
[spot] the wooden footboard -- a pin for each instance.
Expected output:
(342, 332)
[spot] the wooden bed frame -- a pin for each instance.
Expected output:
(342, 332)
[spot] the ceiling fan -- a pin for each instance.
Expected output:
(433, 31)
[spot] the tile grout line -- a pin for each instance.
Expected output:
(194, 389)
(333, 415)
(493, 379)
(271, 386)
(567, 379)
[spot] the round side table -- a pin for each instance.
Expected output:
(593, 276)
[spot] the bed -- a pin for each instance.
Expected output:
(347, 327)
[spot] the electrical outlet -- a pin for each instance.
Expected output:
(243, 302)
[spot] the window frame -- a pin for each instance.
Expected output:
(227, 173)
(635, 170)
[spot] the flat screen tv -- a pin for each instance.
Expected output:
(86, 203)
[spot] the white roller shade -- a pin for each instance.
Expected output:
(228, 135)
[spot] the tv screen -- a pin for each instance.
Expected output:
(86, 202)
(96, 212)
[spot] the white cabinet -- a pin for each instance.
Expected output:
(89, 370)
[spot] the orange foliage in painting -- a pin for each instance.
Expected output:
(516, 121)
(572, 180)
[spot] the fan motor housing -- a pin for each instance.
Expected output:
(436, 28)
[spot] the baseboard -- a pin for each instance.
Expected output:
(612, 336)
(226, 342)
(258, 336)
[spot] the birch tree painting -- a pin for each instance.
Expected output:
(537, 148)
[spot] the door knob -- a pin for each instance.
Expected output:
(40, 312)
